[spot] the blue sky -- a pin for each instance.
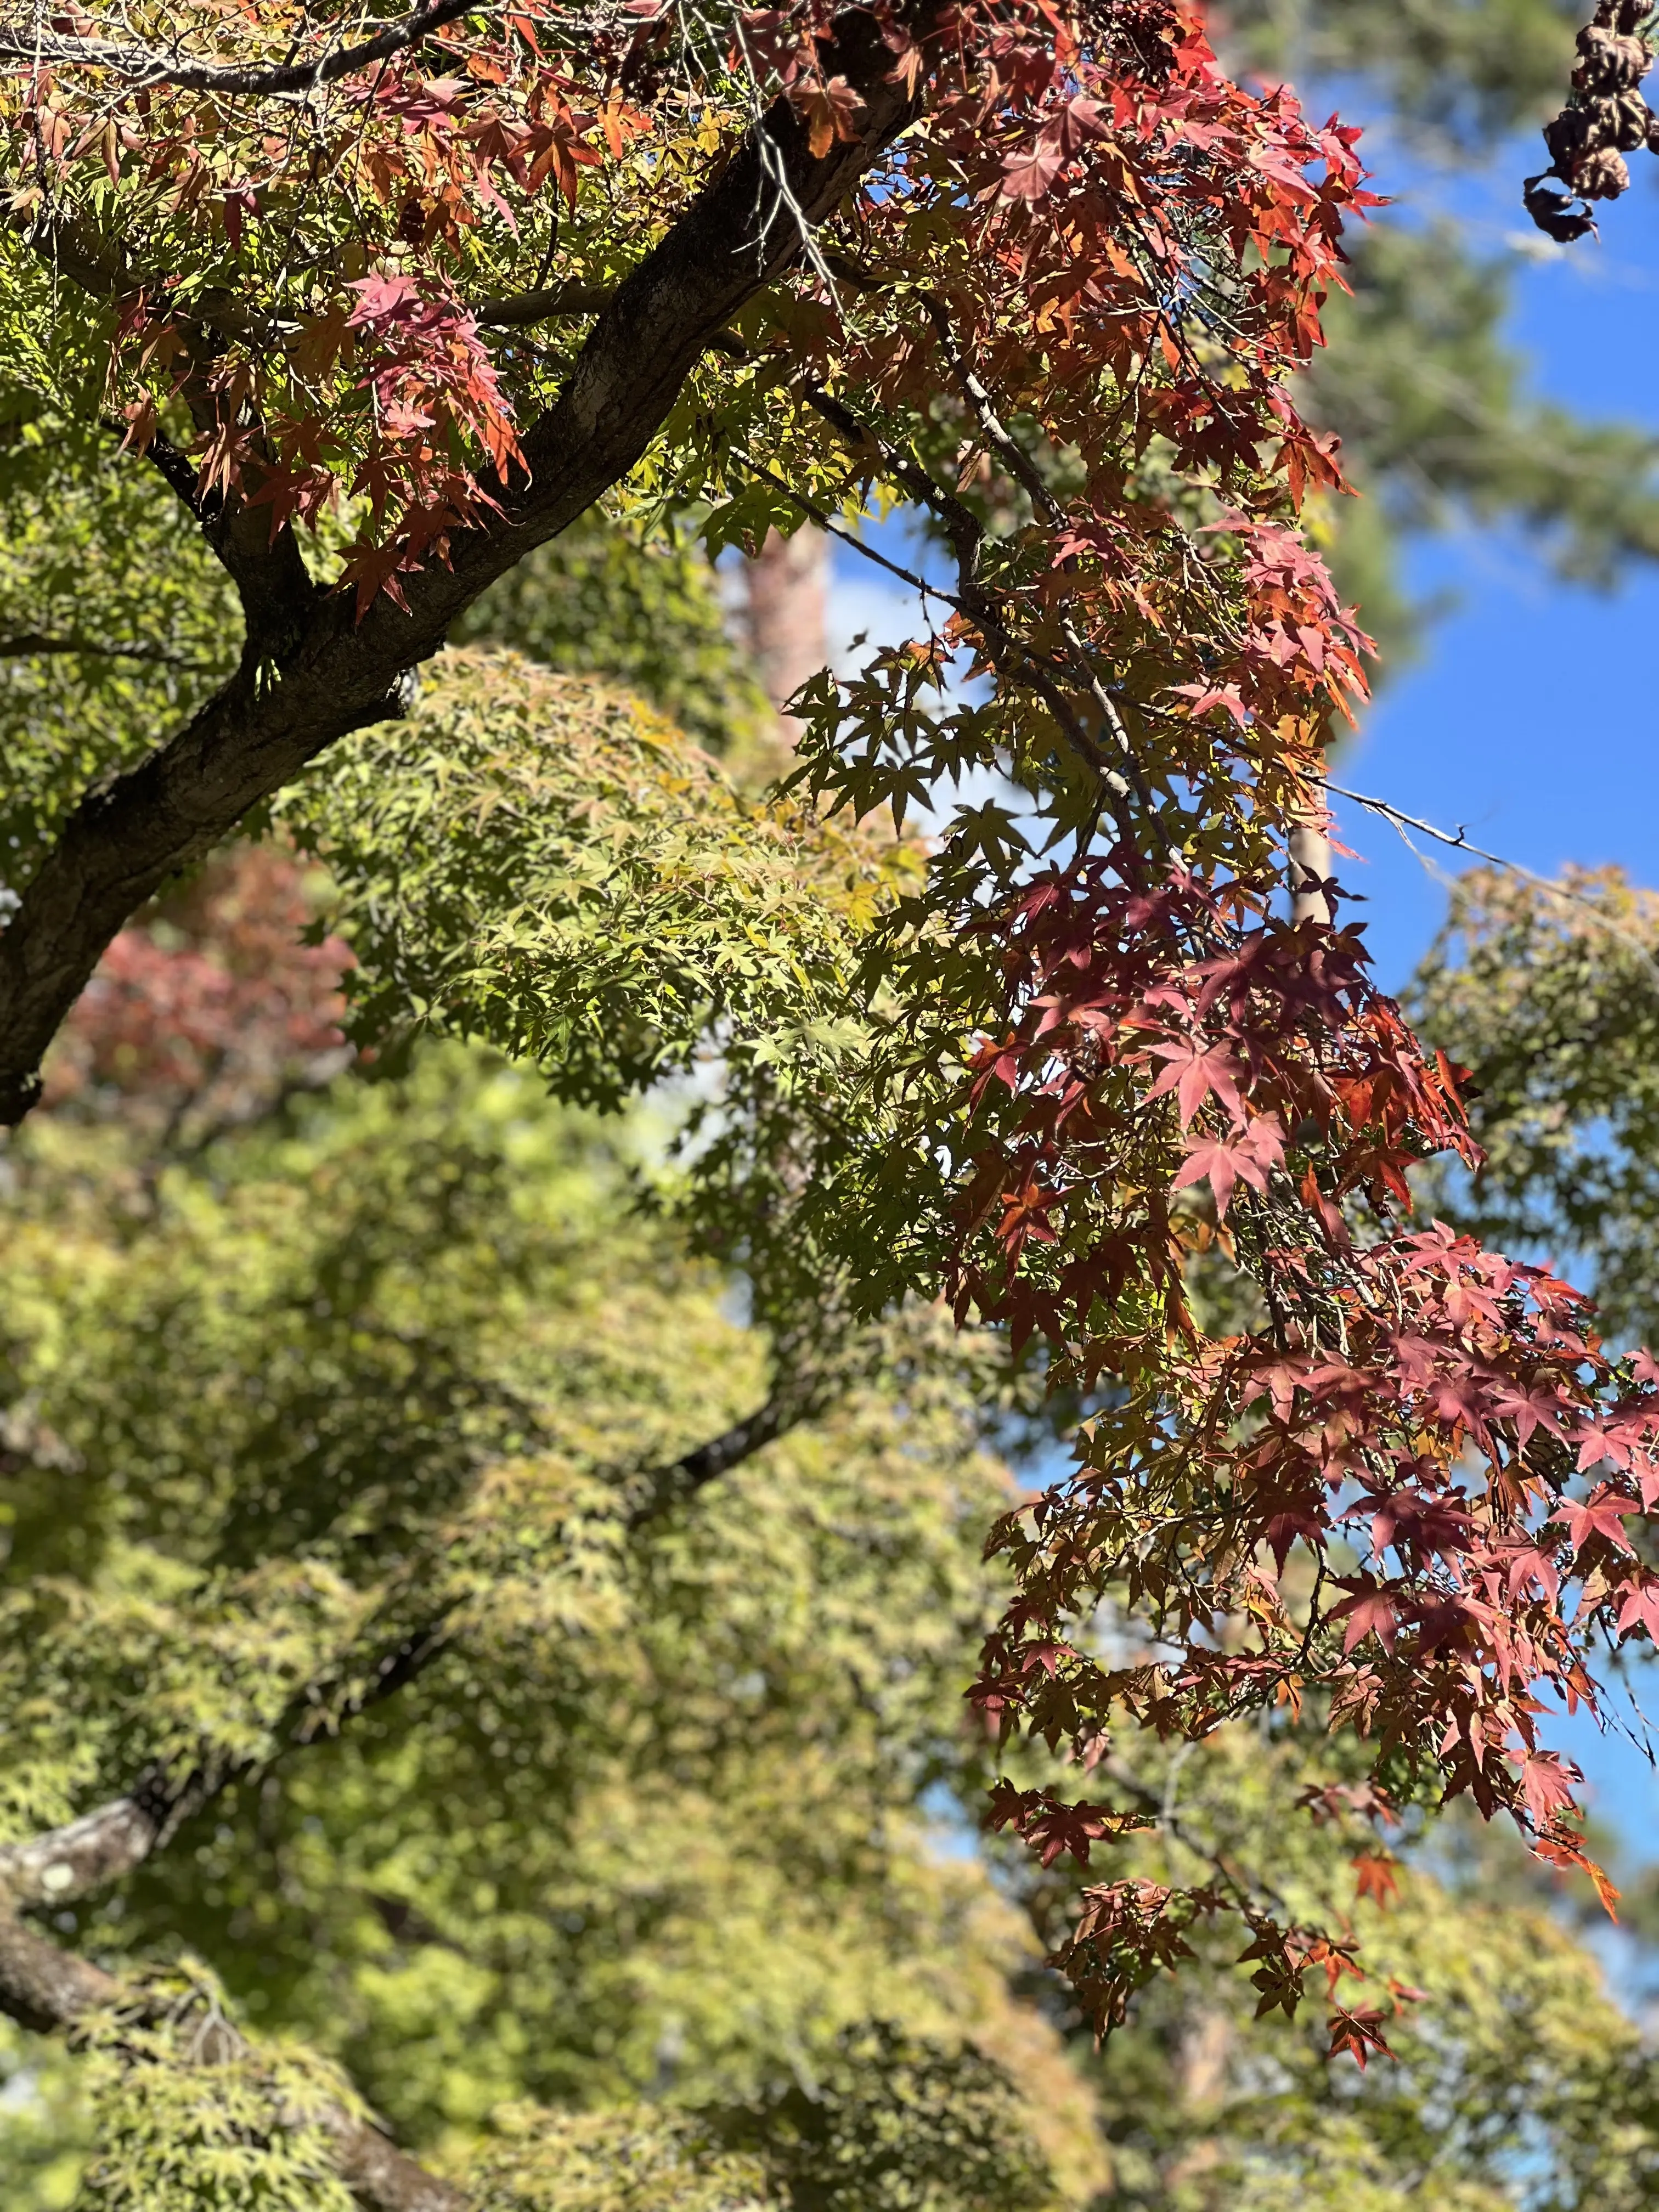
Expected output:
(1532, 716)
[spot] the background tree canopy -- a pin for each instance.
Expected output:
(493, 1500)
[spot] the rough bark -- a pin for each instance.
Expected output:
(82, 1857)
(312, 673)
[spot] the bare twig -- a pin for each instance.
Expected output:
(1458, 842)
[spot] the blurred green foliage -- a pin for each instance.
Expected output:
(660, 1891)
(1553, 1004)
(1455, 74)
(645, 616)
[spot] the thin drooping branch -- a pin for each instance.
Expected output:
(72, 248)
(1014, 659)
(150, 67)
(267, 568)
(661, 1489)
(314, 674)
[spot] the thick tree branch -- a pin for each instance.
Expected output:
(34, 644)
(49, 1989)
(547, 304)
(319, 674)
(81, 1857)
(113, 1840)
(149, 67)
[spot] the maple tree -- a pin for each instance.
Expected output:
(649, 1818)
(384, 305)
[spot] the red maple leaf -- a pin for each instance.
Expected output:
(1369, 1612)
(1640, 1608)
(1547, 1782)
(1602, 1514)
(1359, 2032)
(1228, 1162)
(1195, 1070)
(1376, 1875)
(1029, 174)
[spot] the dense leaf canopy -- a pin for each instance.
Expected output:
(334, 324)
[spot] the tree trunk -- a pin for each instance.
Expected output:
(1310, 867)
(786, 617)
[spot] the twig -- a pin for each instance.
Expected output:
(145, 66)
(1459, 842)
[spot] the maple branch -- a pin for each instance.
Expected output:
(45, 1988)
(114, 1839)
(147, 67)
(1014, 659)
(70, 248)
(38, 645)
(269, 575)
(49, 1989)
(809, 1384)
(314, 674)
(546, 305)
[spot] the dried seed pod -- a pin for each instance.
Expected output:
(1610, 63)
(1554, 214)
(1623, 16)
(1578, 131)
(1601, 123)
(1563, 135)
(1602, 175)
(1635, 118)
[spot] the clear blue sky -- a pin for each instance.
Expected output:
(1533, 717)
